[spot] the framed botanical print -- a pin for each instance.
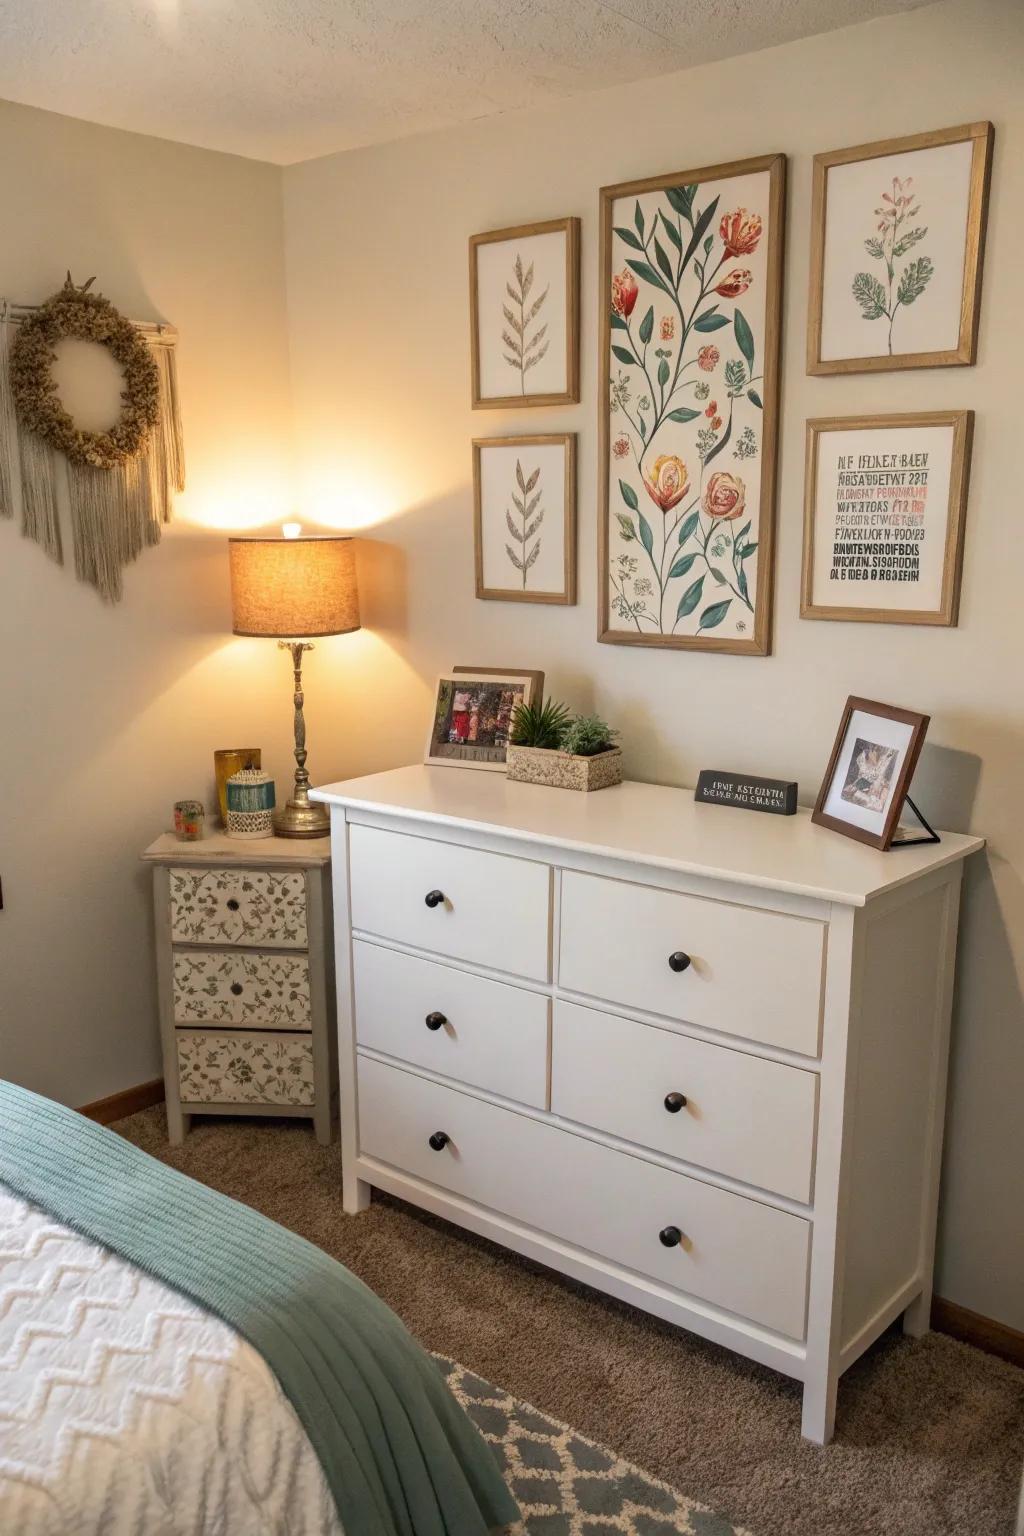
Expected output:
(524, 518)
(897, 240)
(472, 714)
(524, 315)
(691, 285)
(885, 499)
(869, 773)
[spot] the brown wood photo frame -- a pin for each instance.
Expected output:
(521, 343)
(903, 250)
(896, 509)
(886, 766)
(511, 531)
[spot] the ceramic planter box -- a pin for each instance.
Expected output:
(562, 770)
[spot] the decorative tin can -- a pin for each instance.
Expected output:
(188, 820)
(229, 760)
(251, 797)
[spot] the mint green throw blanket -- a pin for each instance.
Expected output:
(401, 1457)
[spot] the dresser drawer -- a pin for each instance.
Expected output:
(738, 1254)
(241, 988)
(745, 1117)
(231, 1067)
(238, 906)
(751, 973)
(492, 1035)
(495, 911)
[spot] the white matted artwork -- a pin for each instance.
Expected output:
(872, 763)
(524, 312)
(524, 505)
(897, 242)
(884, 512)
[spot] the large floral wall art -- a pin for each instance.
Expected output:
(690, 310)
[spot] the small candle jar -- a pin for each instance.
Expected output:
(188, 820)
(250, 795)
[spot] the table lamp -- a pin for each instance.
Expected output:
(293, 590)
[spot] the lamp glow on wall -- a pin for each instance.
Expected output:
(294, 590)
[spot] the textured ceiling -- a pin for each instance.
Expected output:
(284, 80)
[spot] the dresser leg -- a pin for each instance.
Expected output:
(355, 1194)
(917, 1318)
(818, 1419)
(323, 1123)
(178, 1124)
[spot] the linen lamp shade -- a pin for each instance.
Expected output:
(291, 589)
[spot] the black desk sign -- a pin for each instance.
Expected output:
(715, 787)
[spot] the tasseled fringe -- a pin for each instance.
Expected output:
(40, 519)
(115, 513)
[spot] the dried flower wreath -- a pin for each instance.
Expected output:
(74, 311)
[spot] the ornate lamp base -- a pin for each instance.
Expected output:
(298, 817)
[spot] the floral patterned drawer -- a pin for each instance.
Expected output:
(238, 906)
(233, 1068)
(235, 988)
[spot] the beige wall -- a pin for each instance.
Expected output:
(377, 293)
(107, 715)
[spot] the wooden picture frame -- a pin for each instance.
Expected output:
(536, 677)
(959, 317)
(507, 530)
(746, 239)
(479, 740)
(904, 738)
(911, 550)
(506, 288)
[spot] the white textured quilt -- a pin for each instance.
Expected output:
(126, 1410)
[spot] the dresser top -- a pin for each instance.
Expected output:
(654, 825)
(248, 852)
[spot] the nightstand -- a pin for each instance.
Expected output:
(245, 974)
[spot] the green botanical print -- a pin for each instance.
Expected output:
(889, 245)
(679, 258)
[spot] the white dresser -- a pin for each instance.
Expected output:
(691, 1055)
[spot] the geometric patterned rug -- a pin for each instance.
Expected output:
(566, 1485)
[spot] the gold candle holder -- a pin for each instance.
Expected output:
(229, 760)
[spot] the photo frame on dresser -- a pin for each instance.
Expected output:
(869, 772)
(897, 245)
(472, 714)
(524, 298)
(885, 506)
(690, 306)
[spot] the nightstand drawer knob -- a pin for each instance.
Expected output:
(439, 1140)
(232, 904)
(435, 1021)
(236, 987)
(678, 961)
(674, 1102)
(670, 1237)
(434, 898)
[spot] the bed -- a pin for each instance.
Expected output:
(174, 1364)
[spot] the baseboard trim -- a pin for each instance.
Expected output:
(128, 1102)
(983, 1332)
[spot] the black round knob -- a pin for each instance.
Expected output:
(232, 904)
(434, 898)
(435, 1021)
(678, 961)
(236, 987)
(439, 1140)
(670, 1237)
(674, 1102)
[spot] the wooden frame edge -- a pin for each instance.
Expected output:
(775, 163)
(948, 613)
(570, 226)
(567, 440)
(118, 1106)
(964, 354)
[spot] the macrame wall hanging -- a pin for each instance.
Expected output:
(118, 484)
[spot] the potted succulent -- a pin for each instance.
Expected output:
(548, 745)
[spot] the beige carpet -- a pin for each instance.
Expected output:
(930, 1435)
